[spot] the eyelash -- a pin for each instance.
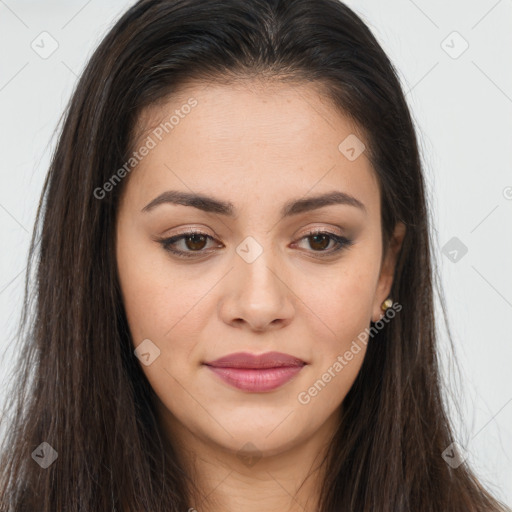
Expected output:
(341, 241)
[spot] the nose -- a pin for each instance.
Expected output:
(257, 296)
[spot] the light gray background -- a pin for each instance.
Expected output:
(462, 105)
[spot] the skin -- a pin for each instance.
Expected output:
(258, 146)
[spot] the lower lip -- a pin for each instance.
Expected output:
(256, 380)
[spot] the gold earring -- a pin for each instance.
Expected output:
(386, 304)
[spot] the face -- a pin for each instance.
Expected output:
(260, 264)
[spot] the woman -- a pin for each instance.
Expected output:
(234, 303)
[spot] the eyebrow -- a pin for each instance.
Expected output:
(212, 205)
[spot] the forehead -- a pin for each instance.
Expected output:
(252, 140)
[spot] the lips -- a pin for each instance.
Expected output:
(247, 360)
(256, 373)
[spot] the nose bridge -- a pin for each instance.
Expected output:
(258, 293)
(257, 268)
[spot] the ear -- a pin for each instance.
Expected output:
(387, 270)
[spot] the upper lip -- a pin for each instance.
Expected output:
(248, 360)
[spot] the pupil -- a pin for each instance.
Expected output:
(194, 239)
(316, 237)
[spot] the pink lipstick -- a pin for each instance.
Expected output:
(256, 373)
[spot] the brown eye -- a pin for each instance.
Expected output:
(195, 242)
(187, 245)
(319, 242)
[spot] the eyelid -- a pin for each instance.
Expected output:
(320, 228)
(192, 230)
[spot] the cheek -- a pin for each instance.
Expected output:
(344, 301)
(172, 307)
(340, 343)
(341, 313)
(156, 297)
(165, 308)
(170, 315)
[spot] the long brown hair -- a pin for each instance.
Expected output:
(78, 385)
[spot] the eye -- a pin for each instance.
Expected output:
(319, 241)
(194, 243)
